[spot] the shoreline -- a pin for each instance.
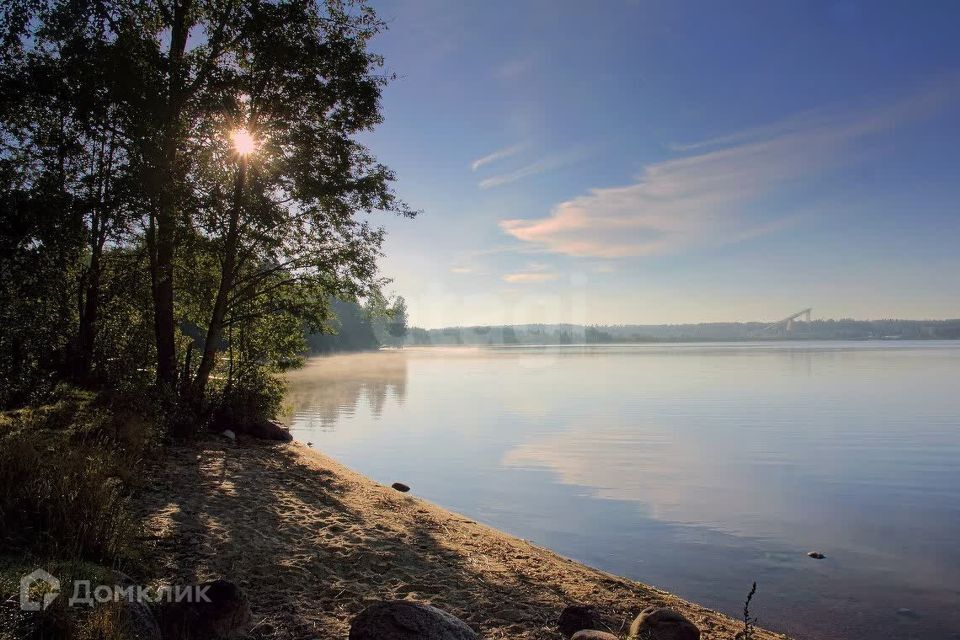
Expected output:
(313, 543)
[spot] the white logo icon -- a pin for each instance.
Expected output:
(28, 581)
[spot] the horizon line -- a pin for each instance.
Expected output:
(675, 324)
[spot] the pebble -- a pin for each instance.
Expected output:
(230, 435)
(399, 486)
(816, 555)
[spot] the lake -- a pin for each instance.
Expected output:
(698, 468)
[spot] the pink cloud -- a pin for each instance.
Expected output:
(701, 199)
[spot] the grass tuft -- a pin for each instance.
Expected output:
(749, 622)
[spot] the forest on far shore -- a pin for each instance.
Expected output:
(547, 334)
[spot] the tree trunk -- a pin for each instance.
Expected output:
(82, 366)
(162, 281)
(211, 345)
(164, 226)
(87, 331)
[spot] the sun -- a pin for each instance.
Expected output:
(243, 142)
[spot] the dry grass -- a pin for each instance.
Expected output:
(67, 470)
(60, 621)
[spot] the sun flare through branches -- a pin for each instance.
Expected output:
(243, 142)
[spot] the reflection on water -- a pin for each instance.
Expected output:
(699, 468)
(327, 388)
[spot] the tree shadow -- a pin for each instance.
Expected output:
(312, 544)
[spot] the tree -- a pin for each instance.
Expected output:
(282, 218)
(65, 138)
(128, 139)
(389, 319)
(350, 329)
(397, 324)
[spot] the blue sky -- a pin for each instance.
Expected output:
(653, 161)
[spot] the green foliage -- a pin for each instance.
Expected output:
(389, 320)
(131, 231)
(397, 323)
(124, 353)
(253, 397)
(38, 253)
(349, 329)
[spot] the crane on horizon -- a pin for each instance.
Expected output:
(787, 323)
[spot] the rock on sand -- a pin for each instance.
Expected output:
(661, 623)
(405, 620)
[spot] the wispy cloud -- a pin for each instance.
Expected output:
(462, 270)
(793, 124)
(499, 154)
(702, 198)
(535, 168)
(528, 277)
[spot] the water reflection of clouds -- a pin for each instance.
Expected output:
(330, 388)
(656, 467)
(705, 477)
(681, 475)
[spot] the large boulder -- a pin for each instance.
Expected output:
(268, 430)
(661, 623)
(405, 620)
(222, 614)
(575, 617)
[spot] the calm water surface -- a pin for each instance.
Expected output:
(696, 468)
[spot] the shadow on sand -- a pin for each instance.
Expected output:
(312, 544)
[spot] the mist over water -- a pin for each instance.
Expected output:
(697, 468)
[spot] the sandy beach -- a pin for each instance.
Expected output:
(313, 543)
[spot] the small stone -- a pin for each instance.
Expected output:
(405, 620)
(591, 634)
(816, 555)
(661, 623)
(576, 617)
(399, 486)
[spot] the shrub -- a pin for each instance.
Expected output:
(256, 396)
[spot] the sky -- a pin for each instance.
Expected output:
(651, 161)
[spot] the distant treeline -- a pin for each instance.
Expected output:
(715, 331)
(356, 327)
